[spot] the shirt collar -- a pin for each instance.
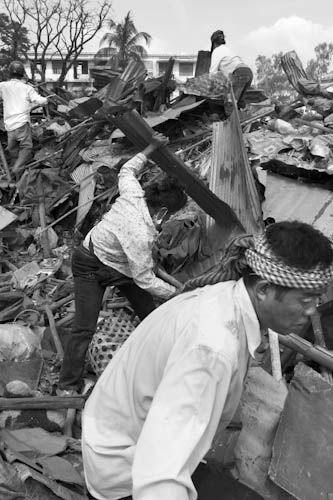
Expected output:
(249, 317)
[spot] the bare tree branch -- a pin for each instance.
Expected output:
(58, 28)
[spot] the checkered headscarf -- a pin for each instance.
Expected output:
(254, 252)
(267, 265)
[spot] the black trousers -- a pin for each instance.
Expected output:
(212, 483)
(91, 278)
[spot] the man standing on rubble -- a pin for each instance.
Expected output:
(225, 60)
(18, 100)
(118, 252)
(153, 413)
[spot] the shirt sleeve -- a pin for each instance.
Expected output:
(180, 426)
(141, 263)
(127, 178)
(34, 97)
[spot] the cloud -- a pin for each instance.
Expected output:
(288, 33)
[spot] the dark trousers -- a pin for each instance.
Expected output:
(20, 146)
(91, 278)
(241, 81)
(214, 484)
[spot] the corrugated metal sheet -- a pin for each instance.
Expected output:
(293, 68)
(231, 178)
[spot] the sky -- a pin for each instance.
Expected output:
(251, 27)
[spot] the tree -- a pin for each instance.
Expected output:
(58, 27)
(272, 79)
(124, 40)
(14, 43)
(318, 67)
(14, 39)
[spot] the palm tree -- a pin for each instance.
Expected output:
(124, 40)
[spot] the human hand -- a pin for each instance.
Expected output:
(157, 140)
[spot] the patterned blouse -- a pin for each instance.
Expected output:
(123, 239)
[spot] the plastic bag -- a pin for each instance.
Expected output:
(17, 342)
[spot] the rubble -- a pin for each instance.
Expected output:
(241, 169)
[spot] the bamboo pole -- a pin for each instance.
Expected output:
(75, 209)
(314, 125)
(62, 302)
(168, 278)
(47, 157)
(44, 403)
(316, 353)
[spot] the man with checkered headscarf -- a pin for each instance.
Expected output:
(152, 415)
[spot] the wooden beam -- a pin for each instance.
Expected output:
(140, 133)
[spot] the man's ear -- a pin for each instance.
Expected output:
(261, 289)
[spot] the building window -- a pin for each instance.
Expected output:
(162, 66)
(186, 69)
(84, 67)
(56, 67)
(150, 68)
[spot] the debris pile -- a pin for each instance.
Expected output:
(241, 170)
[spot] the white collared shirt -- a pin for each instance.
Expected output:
(153, 413)
(225, 60)
(17, 100)
(124, 238)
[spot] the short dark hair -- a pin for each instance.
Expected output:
(299, 245)
(165, 192)
(217, 38)
(16, 69)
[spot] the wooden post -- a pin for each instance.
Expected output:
(42, 219)
(53, 329)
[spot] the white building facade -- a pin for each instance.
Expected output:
(80, 77)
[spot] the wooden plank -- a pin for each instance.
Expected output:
(203, 62)
(140, 133)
